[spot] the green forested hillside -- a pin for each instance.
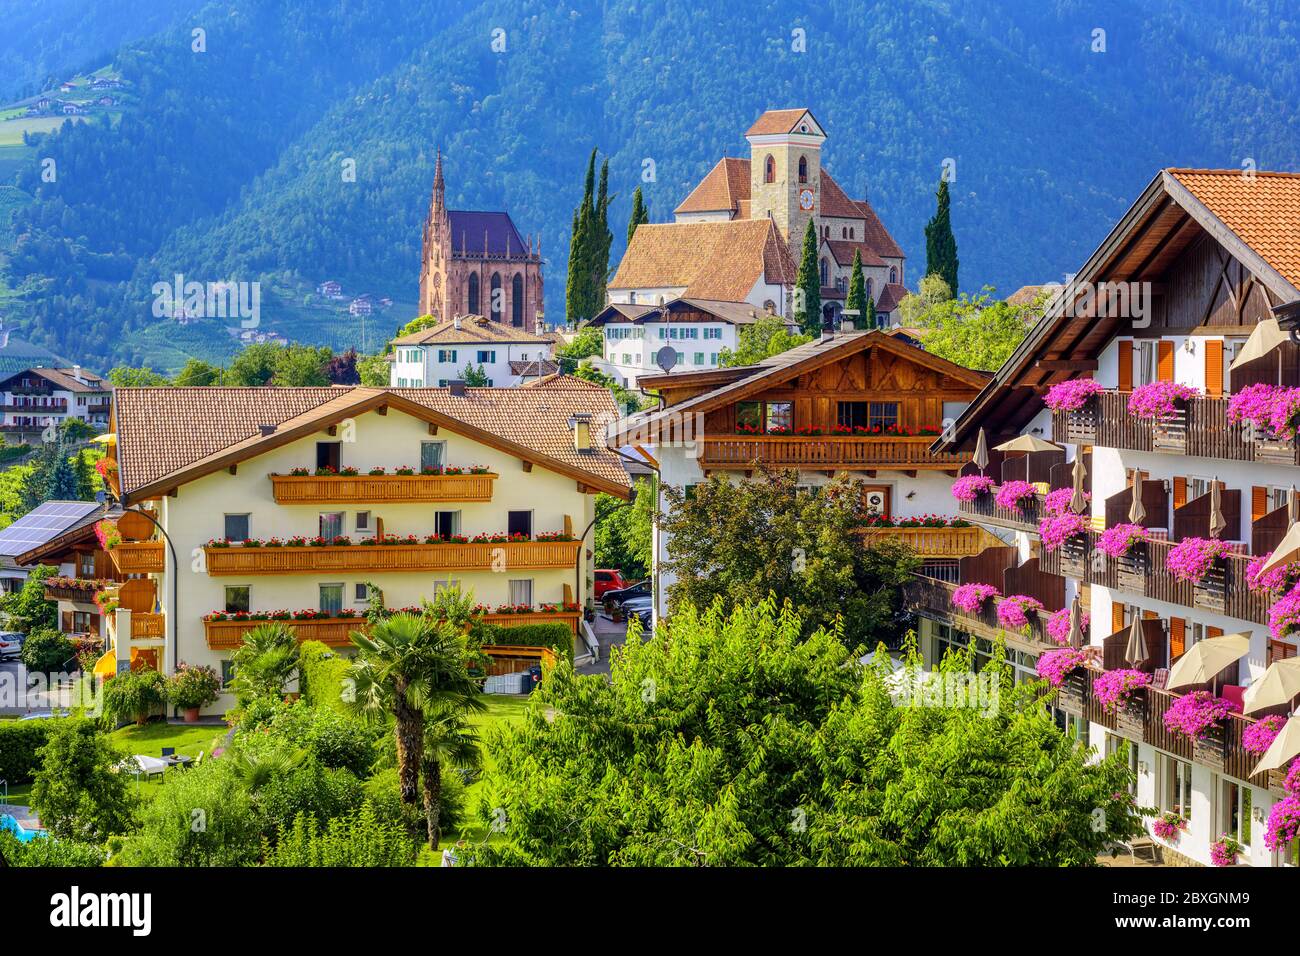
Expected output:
(232, 166)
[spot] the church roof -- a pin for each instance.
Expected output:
(777, 122)
(725, 186)
(471, 229)
(843, 249)
(472, 329)
(709, 260)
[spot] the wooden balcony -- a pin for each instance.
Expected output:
(80, 592)
(936, 542)
(1199, 429)
(513, 556)
(380, 489)
(1142, 573)
(138, 557)
(986, 510)
(828, 452)
(228, 635)
(570, 618)
(147, 626)
(933, 599)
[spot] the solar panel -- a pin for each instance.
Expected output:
(43, 523)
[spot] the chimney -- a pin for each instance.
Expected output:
(580, 423)
(540, 328)
(828, 332)
(266, 430)
(456, 386)
(455, 321)
(849, 320)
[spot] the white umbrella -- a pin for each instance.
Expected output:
(1136, 513)
(1285, 747)
(1266, 336)
(1280, 683)
(1027, 443)
(981, 458)
(1077, 501)
(1288, 550)
(1136, 650)
(1206, 659)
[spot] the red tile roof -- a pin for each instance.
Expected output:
(722, 188)
(776, 122)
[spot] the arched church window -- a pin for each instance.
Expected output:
(893, 274)
(826, 272)
(471, 306)
(496, 303)
(517, 300)
(803, 169)
(769, 170)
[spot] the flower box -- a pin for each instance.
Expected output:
(1131, 717)
(1072, 693)
(1275, 451)
(1210, 748)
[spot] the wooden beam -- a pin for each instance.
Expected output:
(433, 429)
(234, 469)
(382, 409)
(1067, 365)
(528, 465)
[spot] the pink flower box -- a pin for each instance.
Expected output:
(971, 597)
(970, 487)
(1012, 610)
(1011, 494)
(1194, 715)
(1056, 666)
(1191, 558)
(1114, 688)
(1072, 395)
(1117, 541)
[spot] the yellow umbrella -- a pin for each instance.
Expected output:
(1026, 443)
(1206, 659)
(108, 438)
(1280, 683)
(1267, 336)
(1288, 550)
(1285, 747)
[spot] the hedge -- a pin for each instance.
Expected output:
(19, 741)
(550, 634)
(321, 676)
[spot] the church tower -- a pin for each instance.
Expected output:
(435, 248)
(785, 149)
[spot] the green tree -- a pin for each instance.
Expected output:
(808, 285)
(449, 740)
(474, 375)
(418, 324)
(940, 243)
(601, 240)
(926, 306)
(976, 332)
(639, 214)
(78, 791)
(623, 532)
(75, 430)
(26, 610)
(623, 398)
(124, 376)
(578, 292)
(739, 542)
(359, 838)
(134, 695)
(47, 650)
(264, 663)
(198, 372)
(856, 300)
(299, 366)
(256, 364)
(766, 336)
(587, 342)
(411, 667)
(374, 370)
(88, 480)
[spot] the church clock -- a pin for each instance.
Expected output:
(805, 199)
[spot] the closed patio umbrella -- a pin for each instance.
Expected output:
(1206, 659)
(1267, 336)
(1135, 652)
(981, 458)
(1027, 443)
(1285, 747)
(1217, 521)
(1078, 503)
(1288, 549)
(1292, 506)
(1136, 513)
(1076, 622)
(1280, 683)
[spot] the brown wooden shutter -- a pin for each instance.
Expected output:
(1214, 367)
(1116, 617)
(1165, 361)
(1125, 366)
(1180, 492)
(1213, 632)
(1177, 638)
(1258, 502)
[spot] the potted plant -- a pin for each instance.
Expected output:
(971, 597)
(1057, 530)
(1114, 689)
(134, 695)
(1072, 395)
(970, 487)
(1012, 611)
(1224, 851)
(192, 688)
(1056, 666)
(1013, 495)
(1196, 714)
(1120, 539)
(1058, 625)
(1259, 736)
(1191, 558)
(1159, 400)
(1169, 825)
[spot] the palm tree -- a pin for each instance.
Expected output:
(409, 664)
(448, 739)
(265, 662)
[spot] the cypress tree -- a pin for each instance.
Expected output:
(577, 290)
(856, 300)
(870, 322)
(940, 244)
(601, 240)
(808, 285)
(639, 214)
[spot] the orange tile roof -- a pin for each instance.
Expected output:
(473, 329)
(723, 187)
(709, 260)
(177, 434)
(837, 204)
(776, 121)
(1263, 210)
(843, 249)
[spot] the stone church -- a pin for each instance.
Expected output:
(476, 263)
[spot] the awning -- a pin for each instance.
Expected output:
(1280, 683)
(1206, 659)
(1267, 336)
(106, 666)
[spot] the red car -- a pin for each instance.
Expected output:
(608, 581)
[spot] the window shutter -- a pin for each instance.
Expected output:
(1258, 502)
(1180, 492)
(1165, 361)
(1214, 367)
(1126, 366)
(1177, 638)
(1116, 617)
(1213, 632)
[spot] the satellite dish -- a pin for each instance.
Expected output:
(666, 358)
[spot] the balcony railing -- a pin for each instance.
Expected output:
(936, 542)
(986, 510)
(828, 451)
(1199, 429)
(1142, 573)
(513, 555)
(80, 592)
(570, 618)
(227, 635)
(379, 489)
(934, 599)
(138, 557)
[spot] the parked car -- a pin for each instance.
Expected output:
(641, 608)
(11, 645)
(608, 580)
(616, 599)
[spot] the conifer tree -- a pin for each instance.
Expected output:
(856, 300)
(601, 240)
(808, 285)
(577, 290)
(940, 244)
(639, 214)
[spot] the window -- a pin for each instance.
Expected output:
(363, 520)
(883, 414)
(1235, 811)
(1176, 785)
(331, 524)
(446, 523)
(749, 416)
(780, 415)
(690, 333)
(699, 358)
(486, 357)
(893, 274)
(769, 170)
(1144, 362)
(237, 528)
(869, 292)
(1113, 744)
(433, 454)
(446, 355)
(328, 454)
(826, 272)
(713, 358)
(361, 593)
(331, 598)
(237, 598)
(86, 565)
(851, 414)
(803, 169)
(713, 333)
(681, 358)
(519, 522)
(517, 300)
(521, 592)
(227, 673)
(472, 294)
